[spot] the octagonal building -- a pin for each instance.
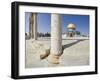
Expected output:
(71, 30)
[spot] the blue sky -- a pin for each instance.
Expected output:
(44, 22)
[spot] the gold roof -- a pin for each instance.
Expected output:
(71, 26)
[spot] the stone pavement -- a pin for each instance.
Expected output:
(76, 53)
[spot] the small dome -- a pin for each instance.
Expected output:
(71, 26)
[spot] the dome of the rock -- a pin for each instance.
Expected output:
(71, 26)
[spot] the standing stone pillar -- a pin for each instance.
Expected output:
(33, 26)
(56, 39)
(30, 26)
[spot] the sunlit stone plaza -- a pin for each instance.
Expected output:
(75, 53)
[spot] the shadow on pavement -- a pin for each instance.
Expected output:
(71, 44)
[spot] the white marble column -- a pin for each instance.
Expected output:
(30, 26)
(56, 39)
(33, 26)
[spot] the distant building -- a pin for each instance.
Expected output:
(71, 30)
(27, 35)
(44, 34)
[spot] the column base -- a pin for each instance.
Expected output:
(53, 59)
(43, 56)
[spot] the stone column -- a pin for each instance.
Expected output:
(56, 39)
(30, 26)
(33, 26)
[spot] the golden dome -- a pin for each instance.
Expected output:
(71, 26)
